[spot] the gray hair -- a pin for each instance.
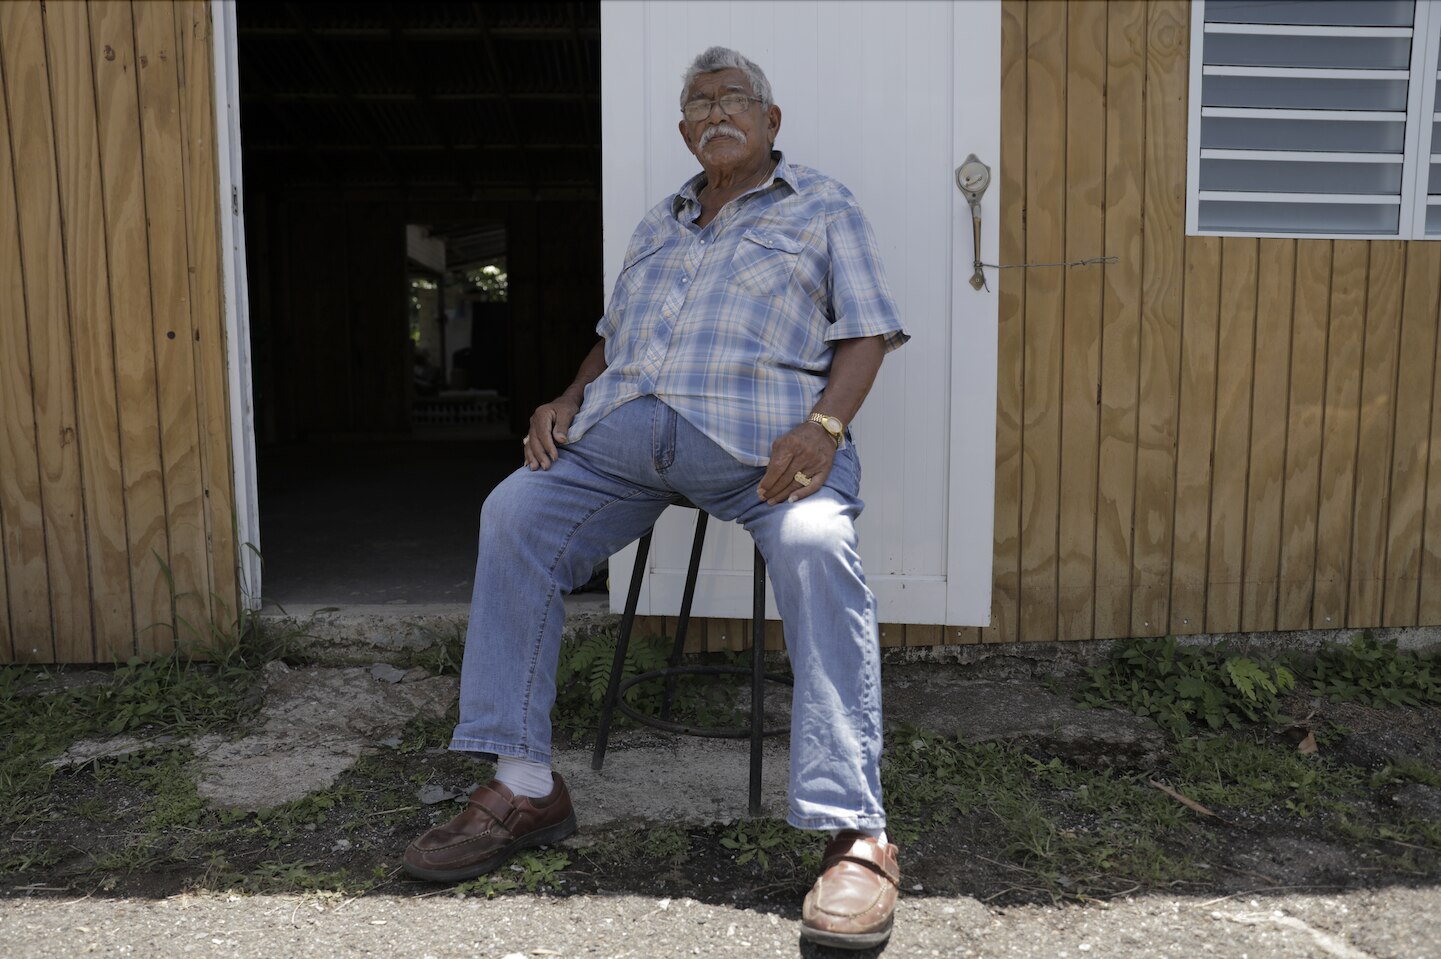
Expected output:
(724, 58)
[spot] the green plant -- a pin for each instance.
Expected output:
(759, 839)
(1179, 686)
(529, 871)
(1236, 772)
(1406, 771)
(583, 678)
(1374, 673)
(669, 844)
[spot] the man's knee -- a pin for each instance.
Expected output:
(513, 503)
(816, 526)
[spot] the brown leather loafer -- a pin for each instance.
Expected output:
(853, 903)
(495, 825)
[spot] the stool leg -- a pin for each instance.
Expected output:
(758, 680)
(683, 622)
(622, 642)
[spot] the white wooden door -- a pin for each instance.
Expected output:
(889, 97)
(225, 37)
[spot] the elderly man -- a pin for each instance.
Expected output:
(746, 327)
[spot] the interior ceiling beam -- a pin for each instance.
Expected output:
(439, 129)
(557, 32)
(347, 93)
(498, 80)
(331, 96)
(422, 193)
(463, 148)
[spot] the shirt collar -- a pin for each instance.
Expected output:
(689, 194)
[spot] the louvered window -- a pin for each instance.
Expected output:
(1315, 118)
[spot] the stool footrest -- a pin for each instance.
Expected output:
(710, 732)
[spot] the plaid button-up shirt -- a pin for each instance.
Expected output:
(732, 325)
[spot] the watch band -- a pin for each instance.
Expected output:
(837, 434)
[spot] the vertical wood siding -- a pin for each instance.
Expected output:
(1209, 435)
(116, 527)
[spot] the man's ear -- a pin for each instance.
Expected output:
(773, 118)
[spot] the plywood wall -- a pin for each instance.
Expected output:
(1212, 435)
(116, 527)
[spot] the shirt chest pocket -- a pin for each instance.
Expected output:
(641, 261)
(764, 262)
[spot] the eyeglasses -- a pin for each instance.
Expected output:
(731, 103)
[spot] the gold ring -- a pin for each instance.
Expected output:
(802, 478)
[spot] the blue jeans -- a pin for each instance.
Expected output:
(543, 532)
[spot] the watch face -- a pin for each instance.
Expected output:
(832, 425)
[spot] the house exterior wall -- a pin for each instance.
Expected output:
(116, 522)
(1209, 435)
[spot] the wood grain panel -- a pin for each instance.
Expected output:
(1081, 337)
(1235, 348)
(1121, 330)
(1045, 300)
(1011, 287)
(1195, 434)
(196, 78)
(924, 635)
(775, 635)
(67, 37)
(161, 138)
(30, 637)
(1304, 416)
(1385, 282)
(122, 184)
(1162, 281)
(1415, 384)
(42, 260)
(1267, 470)
(1338, 432)
(7, 646)
(1428, 607)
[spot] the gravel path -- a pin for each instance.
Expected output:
(1389, 923)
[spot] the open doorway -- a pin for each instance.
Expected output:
(424, 252)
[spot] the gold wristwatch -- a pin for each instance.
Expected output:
(831, 425)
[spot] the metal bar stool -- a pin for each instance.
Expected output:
(615, 692)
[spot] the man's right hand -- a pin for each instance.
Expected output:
(548, 425)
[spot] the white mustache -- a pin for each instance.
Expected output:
(722, 130)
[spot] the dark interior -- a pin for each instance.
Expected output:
(380, 427)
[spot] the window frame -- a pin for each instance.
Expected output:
(1417, 158)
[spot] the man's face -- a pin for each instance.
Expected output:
(721, 142)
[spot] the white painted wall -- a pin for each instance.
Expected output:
(888, 96)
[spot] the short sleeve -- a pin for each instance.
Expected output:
(861, 300)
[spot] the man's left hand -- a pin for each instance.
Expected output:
(807, 450)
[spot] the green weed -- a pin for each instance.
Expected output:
(583, 677)
(1374, 673)
(759, 839)
(668, 844)
(529, 871)
(1181, 686)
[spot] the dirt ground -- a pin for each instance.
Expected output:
(1035, 820)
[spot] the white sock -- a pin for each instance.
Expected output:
(879, 835)
(523, 777)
